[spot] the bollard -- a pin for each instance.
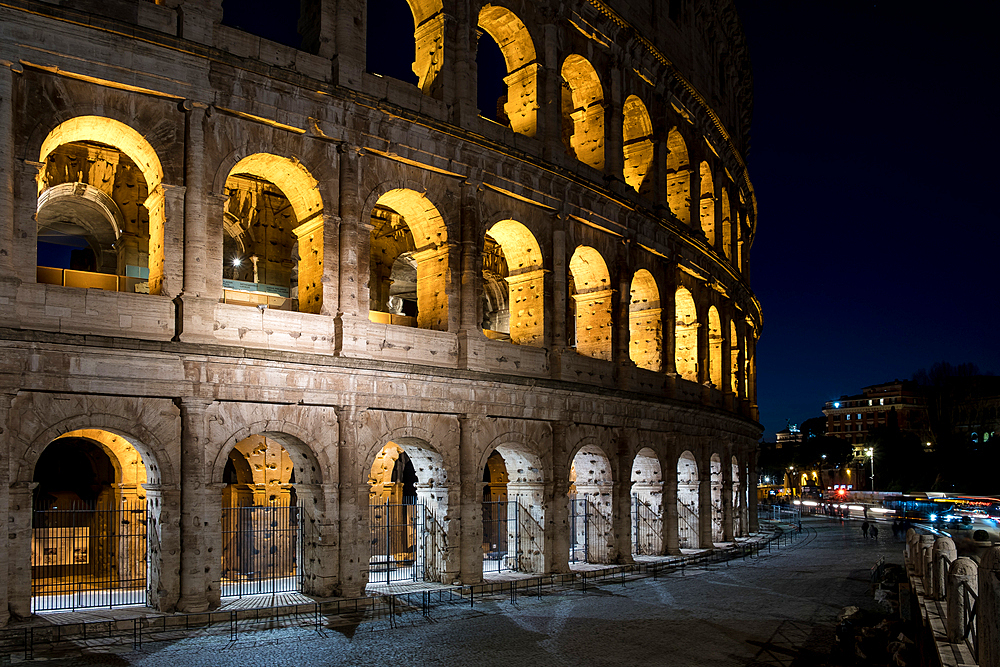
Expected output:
(944, 553)
(962, 570)
(912, 537)
(923, 556)
(988, 614)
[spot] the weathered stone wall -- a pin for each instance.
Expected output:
(592, 197)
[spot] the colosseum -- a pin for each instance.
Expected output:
(272, 320)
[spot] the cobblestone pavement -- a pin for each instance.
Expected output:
(779, 609)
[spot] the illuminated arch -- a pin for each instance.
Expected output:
(422, 247)
(734, 359)
(120, 136)
(513, 471)
(678, 169)
(707, 203)
(727, 225)
(583, 111)
(638, 147)
(591, 295)
(645, 341)
(591, 485)
(714, 347)
(525, 281)
(290, 251)
(686, 335)
(647, 511)
(518, 51)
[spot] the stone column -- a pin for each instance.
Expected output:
(355, 530)
(614, 143)
(963, 573)
(212, 515)
(557, 527)
(194, 557)
(319, 506)
(351, 322)
(6, 444)
(471, 341)
(621, 297)
(560, 267)
(349, 44)
(671, 541)
(728, 534)
(752, 490)
(668, 322)
(19, 549)
(24, 243)
(988, 617)
(550, 95)
(470, 511)
(163, 505)
(705, 510)
(6, 184)
(621, 499)
(944, 548)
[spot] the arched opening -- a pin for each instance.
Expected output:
(638, 135)
(513, 511)
(645, 325)
(678, 170)
(408, 503)
(513, 285)
(90, 524)
(409, 262)
(647, 504)
(707, 204)
(687, 501)
(100, 208)
(591, 535)
(734, 359)
(686, 335)
(590, 303)
(262, 522)
(716, 474)
(272, 246)
(583, 111)
(715, 347)
(739, 506)
(394, 24)
(727, 226)
(514, 99)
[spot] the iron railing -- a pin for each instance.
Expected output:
(687, 525)
(261, 550)
(89, 555)
(398, 547)
(501, 535)
(590, 530)
(647, 529)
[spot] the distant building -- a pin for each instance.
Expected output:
(900, 403)
(791, 435)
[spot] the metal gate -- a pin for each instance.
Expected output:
(687, 526)
(647, 529)
(397, 542)
(501, 535)
(90, 555)
(588, 531)
(261, 550)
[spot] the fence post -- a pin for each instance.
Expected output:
(943, 554)
(962, 571)
(988, 615)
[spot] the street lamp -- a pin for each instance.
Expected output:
(871, 457)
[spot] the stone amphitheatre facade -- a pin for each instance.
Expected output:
(237, 275)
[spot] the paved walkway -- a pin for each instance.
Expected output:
(779, 609)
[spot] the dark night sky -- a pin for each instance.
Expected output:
(874, 161)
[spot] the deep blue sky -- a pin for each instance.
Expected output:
(874, 159)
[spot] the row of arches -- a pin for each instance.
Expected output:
(100, 192)
(263, 501)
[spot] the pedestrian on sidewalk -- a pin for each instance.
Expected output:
(864, 529)
(874, 532)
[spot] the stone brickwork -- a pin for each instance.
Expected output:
(262, 274)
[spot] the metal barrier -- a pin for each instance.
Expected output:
(91, 555)
(397, 542)
(501, 538)
(970, 604)
(647, 529)
(778, 513)
(687, 526)
(589, 531)
(261, 550)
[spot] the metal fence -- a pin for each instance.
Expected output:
(687, 525)
(397, 542)
(647, 529)
(89, 555)
(589, 531)
(778, 513)
(261, 550)
(501, 538)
